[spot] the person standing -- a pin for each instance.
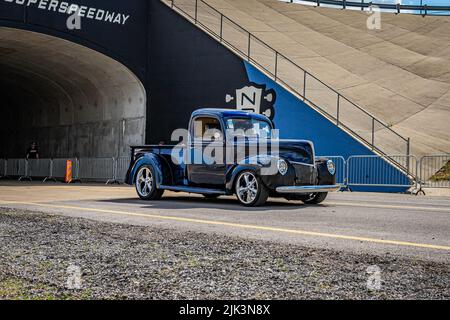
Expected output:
(33, 152)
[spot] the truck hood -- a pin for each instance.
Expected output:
(296, 150)
(301, 151)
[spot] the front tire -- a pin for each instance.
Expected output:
(146, 184)
(250, 190)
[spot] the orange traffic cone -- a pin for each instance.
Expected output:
(68, 177)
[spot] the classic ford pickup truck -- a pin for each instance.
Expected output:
(228, 152)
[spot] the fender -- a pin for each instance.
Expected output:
(253, 163)
(149, 159)
(234, 171)
(323, 175)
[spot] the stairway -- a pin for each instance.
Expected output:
(336, 107)
(400, 73)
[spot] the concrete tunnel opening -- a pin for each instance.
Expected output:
(73, 101)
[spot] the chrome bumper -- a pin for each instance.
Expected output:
(308, 189)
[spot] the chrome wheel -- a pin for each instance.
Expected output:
(316, 198)
(309, 197)
(144, 182)
(247, 188)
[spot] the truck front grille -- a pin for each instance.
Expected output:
(305, 174)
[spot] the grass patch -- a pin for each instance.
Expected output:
(16, 289)
(443, 174)
(19, 289)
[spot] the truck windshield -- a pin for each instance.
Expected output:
(241, 127)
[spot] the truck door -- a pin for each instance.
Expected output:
(206, 166)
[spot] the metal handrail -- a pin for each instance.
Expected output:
(277, 78)
(424, 9)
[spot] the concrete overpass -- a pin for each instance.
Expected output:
(135, 70)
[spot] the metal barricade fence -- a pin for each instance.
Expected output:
(39, 168)
(434, 171)
(387, 171)
(122, 164)
(17, 168)
(97, 169)
(2, 168)
(341, 168)
(381, 171)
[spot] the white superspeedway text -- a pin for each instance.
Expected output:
(64, 7)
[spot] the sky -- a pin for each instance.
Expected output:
(410, 2)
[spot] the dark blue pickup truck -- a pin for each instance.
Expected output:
(226, 152)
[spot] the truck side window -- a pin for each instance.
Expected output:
(207, 129)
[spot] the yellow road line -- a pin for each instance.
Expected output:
(342, 204)
(387, 206)
(238, 225)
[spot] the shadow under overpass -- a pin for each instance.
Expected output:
(71, 100)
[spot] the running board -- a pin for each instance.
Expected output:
(192, 189)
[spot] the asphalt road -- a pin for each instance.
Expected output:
(379, 224)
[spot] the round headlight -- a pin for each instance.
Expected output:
(331, 167)
(282, 167)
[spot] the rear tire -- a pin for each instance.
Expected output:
(314, 198)
(250, 190)
(145, 184)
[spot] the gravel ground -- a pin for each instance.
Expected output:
(131, 262)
